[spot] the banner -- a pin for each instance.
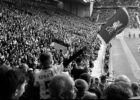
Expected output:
(115, 25)
(58, 44)
(66, 62)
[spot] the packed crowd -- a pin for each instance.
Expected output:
(118, 2)
(29, 33)
(25, 33)
(105, 15)
(31, 69)
(102, 15)
(107, 60)
(50, 81)
(133, 21)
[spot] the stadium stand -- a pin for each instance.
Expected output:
(32, 69)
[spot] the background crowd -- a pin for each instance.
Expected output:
(32, 69)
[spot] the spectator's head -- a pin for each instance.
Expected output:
(103, 79)
(115, 92)
(97, 81)
(4, 68)
(135, 88)
(81, 85)
(86, 77)
(62, 87)
(79, 61)
(13, 84)
(92, 81)
(46, 59)
(126, 87)
(124, 81)
(24, 67)
(74, 65)
(123, 78)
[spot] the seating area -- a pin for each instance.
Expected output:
(32, 69)
(38, 29)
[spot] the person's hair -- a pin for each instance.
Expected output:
(81, 85)
(103, 78)
(4, 68)
(135, 86)
(24, 67)
(45, 57)
(60, 87)
(86, 77)
(10, 81)
(96, 80)
(115, 92)
(126, 86)
(123, 78)
(79, 60)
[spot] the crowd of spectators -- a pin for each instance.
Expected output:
(107, 60)
(103, 14)
(52, 82)
(133, 21)
(25, 34)
(31, 69)
(118, 2)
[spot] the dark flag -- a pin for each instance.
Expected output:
(66, 62)
(115, 25)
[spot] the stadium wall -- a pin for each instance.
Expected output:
(76, 8)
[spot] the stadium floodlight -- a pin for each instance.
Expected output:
(88, 1)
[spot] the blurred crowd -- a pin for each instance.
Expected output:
(24, 35)
(26, 32)
(103, 15)
(32, 69)
(51, 82)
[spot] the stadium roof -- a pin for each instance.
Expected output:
(78, 1)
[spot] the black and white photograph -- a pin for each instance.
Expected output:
(69, 49)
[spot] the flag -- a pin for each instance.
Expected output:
(58, 44)
(115, 25)
(66, 62)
